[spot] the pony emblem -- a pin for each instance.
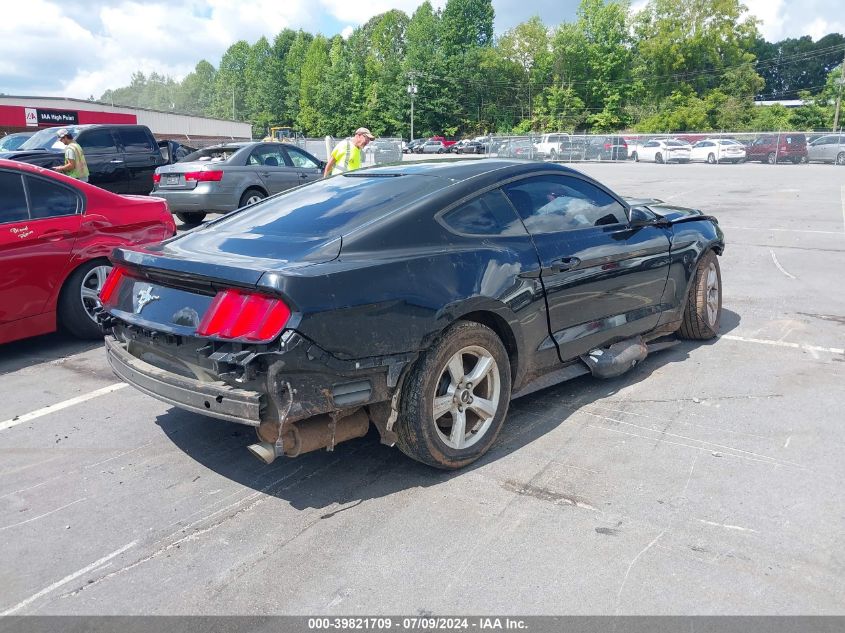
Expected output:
(145, 296)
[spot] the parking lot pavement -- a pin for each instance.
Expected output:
(705, 481)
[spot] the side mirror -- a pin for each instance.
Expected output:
(642, 216)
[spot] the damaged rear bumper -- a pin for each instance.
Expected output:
(215, 399)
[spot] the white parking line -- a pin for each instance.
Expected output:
(842, 198)
(780, 268)
(762, 341)
(67, 579)
(51, 408)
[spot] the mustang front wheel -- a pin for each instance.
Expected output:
(703, 312)
(456, 398)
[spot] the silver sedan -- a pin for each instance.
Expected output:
(225, 177)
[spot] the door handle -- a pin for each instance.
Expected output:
(266, 174)
(55, 235)
(115, 162)
(564, 264)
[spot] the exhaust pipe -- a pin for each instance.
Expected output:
(265, 451)
(312, 434)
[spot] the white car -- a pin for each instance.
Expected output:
(664, 151)
(718, 150)
(549, 144)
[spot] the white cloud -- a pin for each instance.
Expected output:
(88, 46)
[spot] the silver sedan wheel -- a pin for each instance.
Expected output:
(712, 290)
(89, 291)
(256, 197)
(467, 398)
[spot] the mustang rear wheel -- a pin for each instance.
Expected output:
(456, 397)
(703, 312)
(80, 299)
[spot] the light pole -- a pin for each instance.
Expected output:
(412, 90)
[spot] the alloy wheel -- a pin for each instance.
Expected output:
(712, 293)
(467, 397)
(89, 291)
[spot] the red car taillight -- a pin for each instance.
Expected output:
(607, 145)
(205, 176)
(234, 314)
(156, 178)
(111, 283)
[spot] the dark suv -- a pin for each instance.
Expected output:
(121, 158)
(606, 148)
(773, 148)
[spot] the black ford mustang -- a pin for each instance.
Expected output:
(419, 298)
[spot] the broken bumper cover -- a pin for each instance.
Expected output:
(215, 399)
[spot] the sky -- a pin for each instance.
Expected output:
(85, 47)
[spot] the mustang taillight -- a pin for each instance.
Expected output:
(205, 176)
(247, 316)
(111, 283)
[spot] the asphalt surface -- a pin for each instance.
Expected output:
(705, 481)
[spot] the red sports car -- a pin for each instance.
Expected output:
(56, 234)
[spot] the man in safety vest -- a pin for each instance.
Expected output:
(346, 156)
(75, 165)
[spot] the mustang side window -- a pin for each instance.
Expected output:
(548, 204)
(13, 205)
(489, 214)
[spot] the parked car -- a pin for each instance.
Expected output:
(568, 150)
(174, 151)
(549, 144)
(431, 147)
(224, 177)
(417, 297)
(56, 234)
(446, 142)
(827, 149)
(664, 151)
(518, 148)
(385, 151)
(471, 147)
(11, 142)
(411, 147)
(718, 150)
(773, 148)
(606, 148)
(121, 158)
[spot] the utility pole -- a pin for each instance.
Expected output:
(840, 81)
(233, 103)
(412, 91)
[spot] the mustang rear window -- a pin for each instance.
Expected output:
(330, 207)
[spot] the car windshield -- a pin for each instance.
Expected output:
(211, 155)
(47, 139)
(330, 207)
(676, 143)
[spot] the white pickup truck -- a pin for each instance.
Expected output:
(549, 144)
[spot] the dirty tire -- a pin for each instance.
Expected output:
(840, 158)
(438, 383)
(658, 157)
(192, 217)
(711, 159)
(703, 311)
(251, 196)
(80, 290)
(771, 158)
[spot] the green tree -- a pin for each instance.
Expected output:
(311, 118)
(196, 94)
(293, 64)
(230, 83)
